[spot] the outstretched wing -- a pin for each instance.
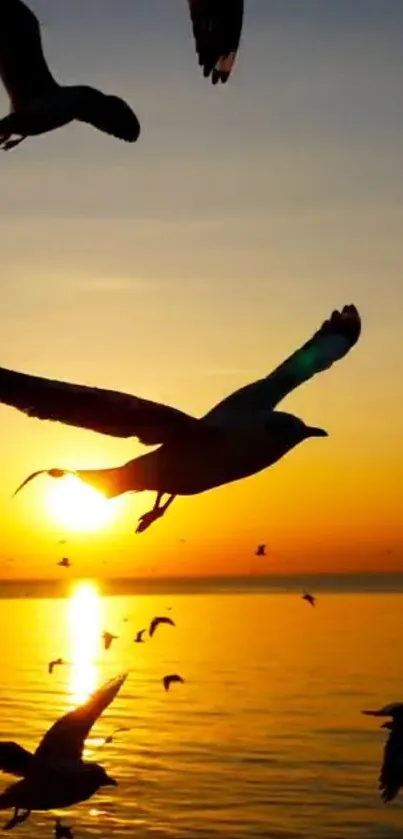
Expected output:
(109, 114)
(23, 67)
(103, 411)
(391, 775)
(331, 342)
(14, 759)
(64, 742)
(217, 27)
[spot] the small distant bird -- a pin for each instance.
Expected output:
(65, 562)
(53, 663)
(261, 550)
(217, 27)
(391, 775)
(169, 680)
(108, 638)
(240, 436)
(156, 622)
(38, 103)
(139, 637)
(56, 776)
(62, 831)
(110, 737)
(310, 598)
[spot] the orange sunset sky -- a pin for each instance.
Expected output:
(193, 262)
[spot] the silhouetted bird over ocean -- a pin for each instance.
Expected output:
(310, 598)
(38, 103)
(65, 562)
(217, 27)
(107, 638)
(55, 662)
(171, 679)
(391, 775)
(139, 637)
(240, 436)
(260, 550)
(156, 622)
(56, 776)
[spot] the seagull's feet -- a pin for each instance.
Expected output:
(18, 817)
(147, 519)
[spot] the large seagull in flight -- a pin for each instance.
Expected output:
(240, 436)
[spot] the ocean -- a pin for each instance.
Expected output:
(264, 739)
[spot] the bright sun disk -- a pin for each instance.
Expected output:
(78, 507)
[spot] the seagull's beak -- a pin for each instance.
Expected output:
(110, 782)
(316, 432)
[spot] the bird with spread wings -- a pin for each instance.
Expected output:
(239, 437)
(56, 775)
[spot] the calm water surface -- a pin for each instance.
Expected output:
(264, 739)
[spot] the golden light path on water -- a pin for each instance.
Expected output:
(85, 628)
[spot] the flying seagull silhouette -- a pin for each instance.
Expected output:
(56, 776)
(240, 436)
(156, 622)
(53, 663)
(139, 637)
(169, 680)
(391, 775)
(110, 737)
(310, 598)
(260, 550)
(217, 27)
(65, 562)
(62, 831)
(38, 103)
(108, 638)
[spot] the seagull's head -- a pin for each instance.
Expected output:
(292, 429)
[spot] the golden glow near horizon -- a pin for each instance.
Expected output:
(84, 631)
(78, 507)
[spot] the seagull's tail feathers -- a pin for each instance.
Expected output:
(14, 759)
(116, 481)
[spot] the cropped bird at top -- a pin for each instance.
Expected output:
(239, 437)
(391, 774)
(55, 775)
(217, 27)
(38, 103)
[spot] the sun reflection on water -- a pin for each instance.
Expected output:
(85, 621)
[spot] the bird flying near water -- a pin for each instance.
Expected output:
(53, 664)
(391, 775)
(139, 637)
(217, 27)
(310, 598)
(157, 621)
(171, 679)
(56, 776)
(260, 550)
(38, 103)
(239, 437)
(107, 638)
(65, 562)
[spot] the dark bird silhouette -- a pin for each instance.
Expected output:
(240, 436)
(139, 637)
(62, 831)
(261, 550)
(169, 680)
(56, 776)
(217, 27)
(156, 622)
(38, 103)
(108, 638)
(310, 598)
(391, 775)
(65, 562)
(53, 663)
(110, 737)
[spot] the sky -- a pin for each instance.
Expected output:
(195, 261)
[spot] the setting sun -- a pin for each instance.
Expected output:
(79, 507)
